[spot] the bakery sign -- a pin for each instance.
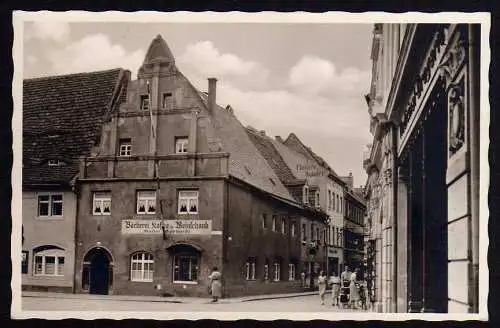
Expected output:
(173, 227)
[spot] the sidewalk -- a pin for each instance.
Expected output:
(173, 299)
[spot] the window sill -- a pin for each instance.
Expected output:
(94, 214)
(141, 280)
(48, 275)
(145, 214)
(50, 218)
(251, 279)
(187, 214)
(185, 282)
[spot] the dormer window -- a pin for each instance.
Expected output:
(145, 102)
(55, 162)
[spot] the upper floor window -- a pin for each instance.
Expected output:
(316, 201)
(167, 101)
(125, 147)
(141, 267)
(144, 102)
(250, 268)
(146, 202)
(292, 229)
(50, 205)
(264, 220)
(55, 162)
(283, 225)
(181, 145)
(102, 203)
(306, 195)
(329, 200)
(312, 232)
(273, 223)
(48, 261)
(188, 202)
(303, 232)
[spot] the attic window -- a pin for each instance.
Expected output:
(272, 181)
(167, 101)
(55, 162)
(248, 170)
(145, 102)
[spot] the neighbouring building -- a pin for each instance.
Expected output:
(176, 187)
(61, 119)
(423, 167)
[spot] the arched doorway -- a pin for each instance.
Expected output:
(97, 273)
(186, 260)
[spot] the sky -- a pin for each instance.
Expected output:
(309, 79)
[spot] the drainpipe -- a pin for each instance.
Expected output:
(394, 182)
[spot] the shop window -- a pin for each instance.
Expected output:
(186, 261)
(277, 270)
(250, 268)
(181, 145)
(188, 202)
(273, 223)
(146, 202)
(292, 270)
(102, 203)
(144, 102)
(125, 149)
(141, 267)
(48, 261)
(167, 101)
(50, 205)
(24, 262)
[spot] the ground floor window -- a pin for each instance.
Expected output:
(24, 262)
(276, 271)
(186, 264)
(141, 267)
(266, 270)
(250, 269)
(48, 261)
(291, 271)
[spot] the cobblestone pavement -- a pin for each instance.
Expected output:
(309, 303)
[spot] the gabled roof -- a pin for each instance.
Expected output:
(296, 144)
(62, 119)
(245, 161)
(158, 51)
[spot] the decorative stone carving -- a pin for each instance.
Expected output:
(456, 113)
(454, 58)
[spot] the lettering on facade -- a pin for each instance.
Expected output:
(310, 170)
(174, 227)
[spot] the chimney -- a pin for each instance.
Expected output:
(279, 139)
(212, 87)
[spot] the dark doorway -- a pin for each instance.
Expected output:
(98, 271)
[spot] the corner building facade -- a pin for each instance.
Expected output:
(175, 187)
(423, 167)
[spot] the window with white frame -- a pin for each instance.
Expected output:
(250, 268)
(186, 266)
(50, 205)
(291, 271)
(48, 261)
(146, 202)
(188, 202)
(55, 162)
(141, 267)
(125, 147)
(102, 203)
(276, 270)
(144, 102)
(181, 145)
(283, 225)
(273, 223)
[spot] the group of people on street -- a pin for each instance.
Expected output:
(346, 279)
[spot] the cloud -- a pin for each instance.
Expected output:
(204, 59)
(93, 52)
(316, 76)
(48, 31)
(32, 59)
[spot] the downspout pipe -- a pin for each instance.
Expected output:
(395, 243)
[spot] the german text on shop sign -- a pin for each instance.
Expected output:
(175, 227)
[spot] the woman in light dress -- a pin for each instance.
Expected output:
(215, 284)
(353, 290)
(335, 282)
(322, 286)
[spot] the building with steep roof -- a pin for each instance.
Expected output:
(62, 118)
(175, 187)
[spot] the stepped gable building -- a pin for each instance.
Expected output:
(423, 167)
(177, 187)
(61, 122)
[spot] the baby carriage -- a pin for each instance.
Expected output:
(344, 294)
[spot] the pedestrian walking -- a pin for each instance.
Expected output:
(322, 286)
(346, 277)
(215, 284)
(335, 282)
(353, 290)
